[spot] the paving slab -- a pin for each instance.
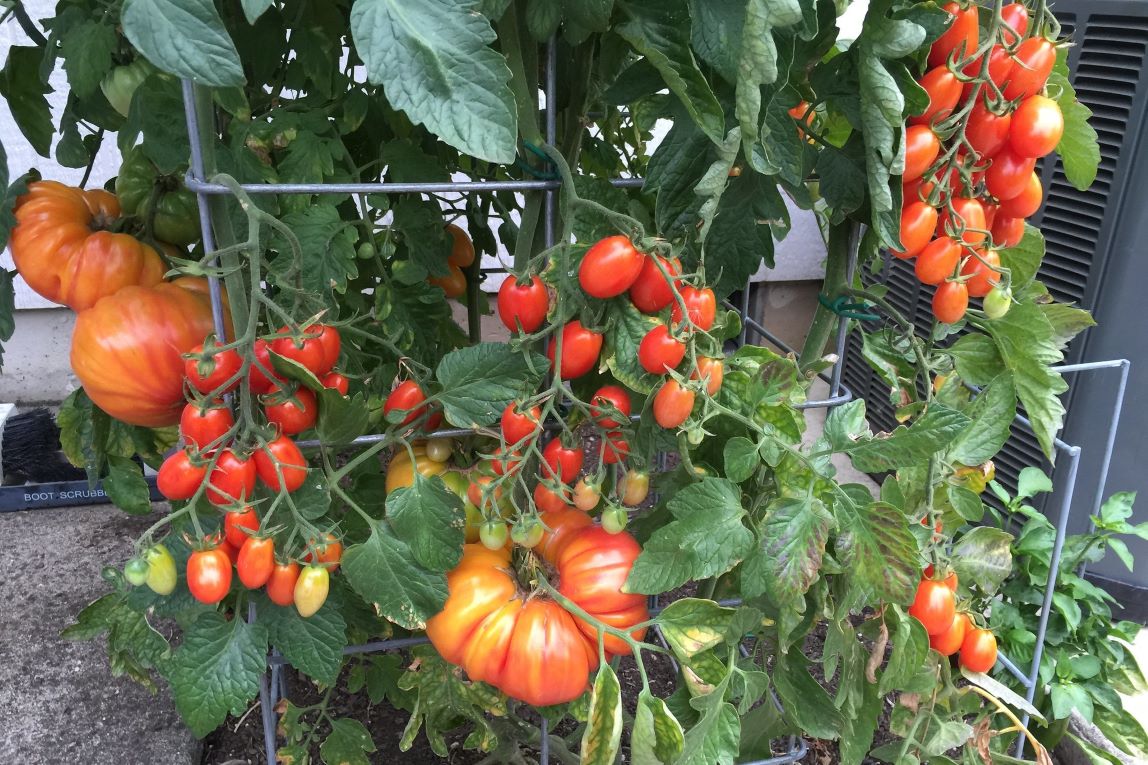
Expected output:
(60, 702)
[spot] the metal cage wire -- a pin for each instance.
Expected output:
(273, 684)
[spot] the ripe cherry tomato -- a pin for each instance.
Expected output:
(547, 500)
(611, 406)
(1037, 126)
(938, 261)
(966, 215)
(701, 306)
(161, 577)
(1007, 232)
(710, 370)
(979, 650)
(406, 398)
(332, 344)
(1016, 16)
(208, 370)
(1027, 202)
(987, 132)
(614, 448)
(960, 39)
(202, 426)
(586, 495)
(232, 479)
(635, 487)
(328, 553)
(281, 584)
(609, 267)
(981, 275)
(660, 351)
(934, 606)
(944, 90)
(237, 524)
(949, 642)
(998, 302)
(336, 381)
(311, 590)
(918, 222)
(292, 464)
(517, 425)
(527, 533)
(257, 380)
(209, 575)
(293, 413)
(453, 284)
(461, 248)
(561, 462)
(480, 486)
(580, 349)
(1009, 174)
(493, 535)
(921, 149)
(179, 476)
(302, 347)
(651, 292)
(950, 302)
(801, 113)
(256, 562)
(1000, 65)
(525, 304)
(673, 404)
(506, 462)
(1035, 58)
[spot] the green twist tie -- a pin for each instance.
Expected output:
(546, 175)
(842, 307)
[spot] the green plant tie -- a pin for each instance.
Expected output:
(546, 175)
(843, 307)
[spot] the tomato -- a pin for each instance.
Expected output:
(336, 381)
(950, 302)
(517, 425)
(179, 476)
(548, 501)
(593, 566)
(1035, 58)
(1009, 174)
(257, 381)
(256, 562)
(580, 349)
(981, 272)
(960, 39)
(294, 412)
(311, 590)
(1027, 202)
(934, 606)
(60, 248)
(987, 132)
(998, 302)
(614, 519)
(506, 461)
(208, 371)
(614, 448)
(921, 149)
(127, 350)
(1037, 126)
(1007, 232)
(461, 248)
(1000, 65)
(561, 527)
(406, 398)
(712, 371)
(673, 404)
(966, 218)
(161, 577)
(943, 89)
(493, 535)
(202, 426)
(281, 583)
(527, 533)
(328, 553)
(303, 347)
(660, 351)
(586, 495)
(439, 449)
(401, 473)
(701, 307)
(938, 261)
(1016, 16)
(523, 304)
(561, 462)
(609, 267)
(651, 292)
(119, 84)
(978, 650)
(635, 487)
(237, 524)
(918, 222)
(284, 453)
(135, 572)
(140, 185)
(232, 479)
(610, 406)
(453, 284)
(949, 642)
(332, 344)
(209, 575)
(801, 113)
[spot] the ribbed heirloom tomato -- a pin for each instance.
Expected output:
(609, 267)
(523, 304)
(140, 185)
(580, 349)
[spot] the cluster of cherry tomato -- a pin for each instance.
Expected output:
(959, 212)
(461, 256)
(950, 631)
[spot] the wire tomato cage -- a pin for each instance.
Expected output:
(273, 684)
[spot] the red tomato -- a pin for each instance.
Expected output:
(918, 222)
(982, 276)
(950, 302)
(547, 500)
(302, 347)
(990, 213)
(1016, 16)
(938, 261)
(1035, 58)
(336, 381)
(1000, 65)
(561, 462)
(203, 426)
(209, 575)
(934, 606)
(580, 349)
(179, 477)
(562, 526)
(293, 413)
(328, 553)
(257, 380)
(978, 651)
(208, 370)
(281, 584)
(237, 524)
(610, 266)
(944, 90)
(332, 345)
(461, 248)
(480, 485)
(608, 401)
(524, 304)
(1037, 126)
(651, 292)
(518, 425)
(1007, 232)
(673, 404)
(1009, 174)
(987, 132)
(406, 398)
(659, 350)
(921, 149)
(230, 550)
(1027, 202)
(290, 460)
(593, 566)
(505, 462)
(949, 642)
(453, 284)
(967, 215)
(960, 39)
(701, 307)
(232, 479)
(614, 448)
(710, 370)
(256, 561)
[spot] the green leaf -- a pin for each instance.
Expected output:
(842, 174)
(983, 556)
(879, 550)
(660, 31)
(1079, 146)
(788, 557)
(87, 51)
(134, 646)
(707, 538)
(383, 571)
(216, 670)
(949, 734)
(910, 650)
(992, 413)
(977, 359)
(740, 235)
(253, 9)
(342, 419)
(328, 251)
(603, 735)
(348, 743)
(967, 504)
(1025, 258)
(693, 625)
(757, 66)
(21, 86)
(428, 516)
(184, 37)
(1067, 697)
(126, 487)
(673, 172)
(741, 458)
(715, 738)
(1122, 729)
(908, 445)
(313, 645)
(435, 63)
(479, 381)
(1067, 322)
(657, 735)
(716, 33)
(803, 698)
(1095, 754)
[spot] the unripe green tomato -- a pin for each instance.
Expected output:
(493, 535)
(695, 435)
(527, 532)
(440, 449)
(635, 487)
(614, 519)
(586, 495)
(997, 302)
(176, 210)
(161, 576)
(136, 572)
(120, 84)
(456, 482)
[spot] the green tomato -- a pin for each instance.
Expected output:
(614, 519)
(176, 211)
(136, 572)
(493, 535)
(997, 302)
(161, 577)
(527, 532)
(119, 85)
(440, 449)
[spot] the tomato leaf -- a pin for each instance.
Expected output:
(977, 359)
(1122, 729)
(657, 735)
(748, 216)
(983, 556)
(435, 63)
(479, 381)
(803, 698)
(348, 743)
(87, 52)
(758, 66)
(877, 546)
(126, 487)
(22, 87)
(216, 670)
(910, 644)
(383, 571)
(429, 517)
(342, 419)
(933, 432)
(673, 172)
(714, 739)
(716, 34)
(992, 413)
(603, 735)
(693, 625)
(134, 646)
(327, 260)
(313, 645)
(787, 559)
(184, 37)
(253, 9)
(741, 458)
(1079, 146)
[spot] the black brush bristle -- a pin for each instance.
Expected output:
(31, 450)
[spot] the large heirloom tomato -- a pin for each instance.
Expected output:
(59, 249)
(176, 210)
(401, 473)
(127, 350)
